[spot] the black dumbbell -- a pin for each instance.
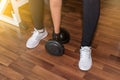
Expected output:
(54, 46)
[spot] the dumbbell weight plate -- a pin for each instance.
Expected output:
(55, 48)
(65, 36)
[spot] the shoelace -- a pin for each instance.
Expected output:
(35, 34)
(85, 51)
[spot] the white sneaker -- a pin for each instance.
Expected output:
(85, 62)
(37, 35)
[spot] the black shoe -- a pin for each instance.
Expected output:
(63, 37)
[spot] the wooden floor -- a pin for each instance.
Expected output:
(19, 63)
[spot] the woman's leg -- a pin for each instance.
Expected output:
(37, 12)
(91, 12)
(55, 6)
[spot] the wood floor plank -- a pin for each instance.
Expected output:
(10, 73)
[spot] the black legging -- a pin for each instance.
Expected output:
(91, 12)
